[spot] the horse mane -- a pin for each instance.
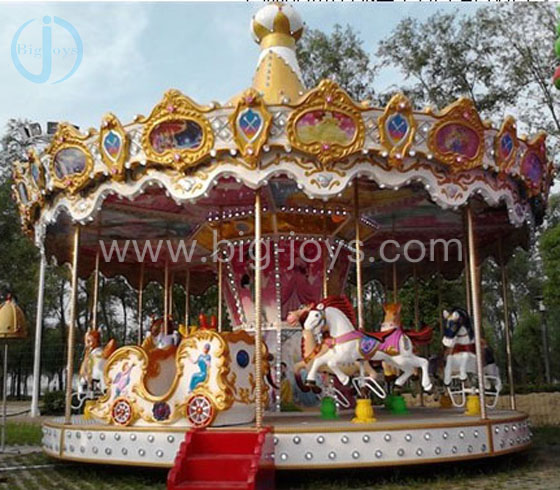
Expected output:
(343, 304)
(467, 320)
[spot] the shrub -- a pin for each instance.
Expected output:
(53, 403)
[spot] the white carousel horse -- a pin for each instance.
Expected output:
(347, 345)
(458, 336)
(91, 380)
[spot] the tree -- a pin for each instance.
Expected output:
(443, 58)
(338, 56)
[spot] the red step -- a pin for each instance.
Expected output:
(224, 460)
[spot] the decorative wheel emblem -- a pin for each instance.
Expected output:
(121, 412)
(200, 411)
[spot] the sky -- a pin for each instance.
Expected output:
(134, 52)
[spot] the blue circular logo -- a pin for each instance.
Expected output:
(47, 52)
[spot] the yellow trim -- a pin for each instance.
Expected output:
(329, 97)
(116, 167)
(68, 137)
(176, 106)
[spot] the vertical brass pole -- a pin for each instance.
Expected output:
(166, 297)
(359, 291)
(220, 281)
(72, 327)
(187, 297)
(395, 288)
(258, 313)
(95, 292)
(141, 305)
(416, 299)
(476, 306)
(170, 294)
(507, 328)
(466, 261)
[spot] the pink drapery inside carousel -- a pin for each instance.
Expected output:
(291, 277)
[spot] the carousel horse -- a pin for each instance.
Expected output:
(93, 361)
(392, 320)
(310, 349)
(458, 338)
(156, 338)
(347, 344)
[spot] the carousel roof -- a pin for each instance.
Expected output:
(188, 169)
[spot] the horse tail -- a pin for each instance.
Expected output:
(422, 336)
(109, 348)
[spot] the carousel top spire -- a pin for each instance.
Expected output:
(276, 28)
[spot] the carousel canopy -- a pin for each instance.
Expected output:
(188, 173)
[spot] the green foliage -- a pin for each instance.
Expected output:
(339, 56)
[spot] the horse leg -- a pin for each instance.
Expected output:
(315, 365)
(339, 373)
(403, 363)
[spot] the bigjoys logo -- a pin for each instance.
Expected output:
(47, 50)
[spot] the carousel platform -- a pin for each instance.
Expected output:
(305, 441)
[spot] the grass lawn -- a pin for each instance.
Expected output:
(538, 468)
(22, 433)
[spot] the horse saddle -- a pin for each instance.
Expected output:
(370, 342)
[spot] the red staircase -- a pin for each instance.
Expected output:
(224, 460)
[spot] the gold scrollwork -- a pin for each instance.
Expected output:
(397, 146)
(250, 123)
(68, 141)
(536, 147)
(503, 160)
(329, 141)
(113, 146)
(178, 107)
(462, 114)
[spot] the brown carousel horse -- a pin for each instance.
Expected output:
(93, 361)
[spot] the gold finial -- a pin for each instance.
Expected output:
(277, 25)
(12, 320)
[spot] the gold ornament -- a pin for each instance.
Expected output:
(250, 123)
(180, 111)
(112, 132)
(327, 123)
(457, 119)
(69, 152)
(398, 106)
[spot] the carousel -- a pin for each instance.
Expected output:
(281, 197)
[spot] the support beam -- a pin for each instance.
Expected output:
(36, 391)
(258, 313)
(507, 328)
(95, 291)
(476, 306)
(187, 297)
(359, 286)
(141, 305)
(72, 326)
(166, 298)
